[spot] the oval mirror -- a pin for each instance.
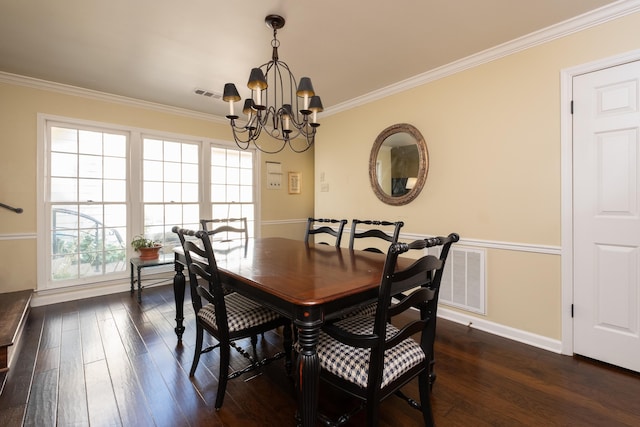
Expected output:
(398, 164)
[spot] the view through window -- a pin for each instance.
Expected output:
(88, 208)
(105, 185)
(170, 189)
(232, 185)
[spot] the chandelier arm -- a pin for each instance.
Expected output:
(292, 90)
(237, 131)
(253, 136)
(277, 77)
(260, 145)
(309, 137)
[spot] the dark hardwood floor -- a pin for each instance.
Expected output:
(110, 361)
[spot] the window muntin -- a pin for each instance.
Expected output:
(171, 180)
(87, 203)
(232, 185)
(94, 191)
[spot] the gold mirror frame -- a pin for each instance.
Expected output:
(423, 164)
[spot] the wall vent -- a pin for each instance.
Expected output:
(207, 93)
(463, 281)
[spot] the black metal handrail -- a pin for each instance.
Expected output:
(16, 210)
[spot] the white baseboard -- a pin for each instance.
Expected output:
(545, 343)
(54, 296)
(508, 332)
(14, 349)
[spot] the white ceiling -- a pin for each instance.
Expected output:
(162, 50)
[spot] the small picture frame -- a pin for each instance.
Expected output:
(295, 182)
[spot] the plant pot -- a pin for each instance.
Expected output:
(149, 253)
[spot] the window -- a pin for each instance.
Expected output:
(87, 203)
(103, 184)
(170, 188)
(232, 185)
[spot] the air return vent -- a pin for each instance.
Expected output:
(463, 280)
(208, 93)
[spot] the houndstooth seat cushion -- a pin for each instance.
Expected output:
(367, 310)
(352, 363)
(242, 313)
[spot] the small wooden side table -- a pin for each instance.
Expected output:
(139, 264)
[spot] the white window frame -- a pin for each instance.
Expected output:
(238, 206)
(134, 191)
(164, 203)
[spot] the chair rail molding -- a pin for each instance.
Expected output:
(18, 236)
(494, 244)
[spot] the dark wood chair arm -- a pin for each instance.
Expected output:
(406, 332)
(414, 299)
(204, 293)
(352, 340)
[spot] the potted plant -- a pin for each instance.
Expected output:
(148, 248)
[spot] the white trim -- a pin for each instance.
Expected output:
(284, 221)
(566, 176)
(518, 335)
(475, 243)
(73, 293)
(472, 243)
(23, 236)
(34, 83)
(590, 19)
(492, 244)
(41, 182)
(257, 192)
(55, 296)
(134, 163)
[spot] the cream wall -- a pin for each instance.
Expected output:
(493, 135)
(282, 214)
(285, 214)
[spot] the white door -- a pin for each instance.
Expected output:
(606, 264)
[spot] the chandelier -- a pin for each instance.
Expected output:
(273, 107)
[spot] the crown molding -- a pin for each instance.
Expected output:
(579, 23)
(34, 83)
(596, 17)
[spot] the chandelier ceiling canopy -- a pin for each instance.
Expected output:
(278, 105)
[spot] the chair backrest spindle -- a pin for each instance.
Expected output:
(325, 227)
(374, 233)
(224, 226)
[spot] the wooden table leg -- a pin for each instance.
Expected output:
(308, 372)
(132, 278)
(139, 286)
(178, 294)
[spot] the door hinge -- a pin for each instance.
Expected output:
(571, 106)
(572, 310)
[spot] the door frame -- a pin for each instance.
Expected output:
(566, 165)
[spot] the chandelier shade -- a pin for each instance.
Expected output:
(305, 89)
(286, 110)
(231, 95)
(257, 81)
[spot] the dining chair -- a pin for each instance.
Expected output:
(372, 358)
(386, 231)
(222, 227)
(326, 228)
(226, 317)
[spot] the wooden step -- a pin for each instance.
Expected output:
(14, 308)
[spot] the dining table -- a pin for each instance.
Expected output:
(308, 283)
